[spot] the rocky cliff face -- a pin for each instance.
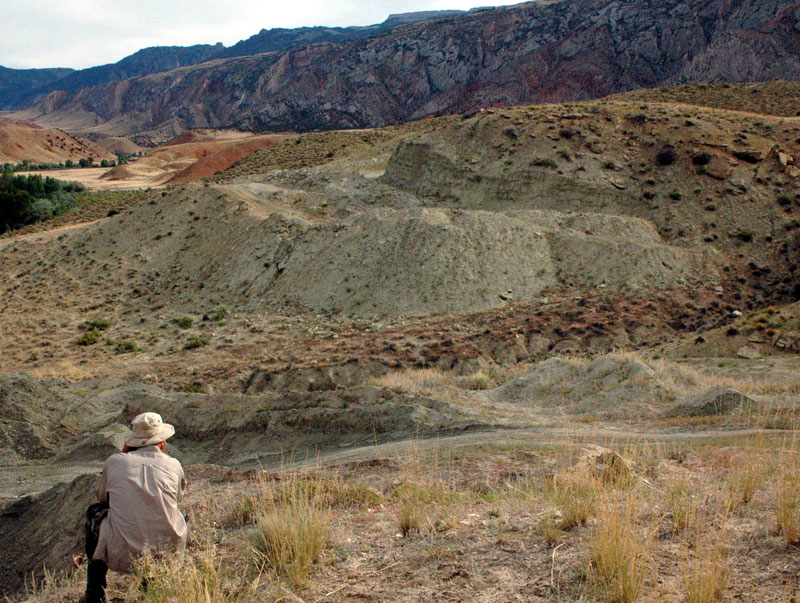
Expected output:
(535, 52)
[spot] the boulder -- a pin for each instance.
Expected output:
(538, 346)
(605, 464)
(716, 401)
(748, 352)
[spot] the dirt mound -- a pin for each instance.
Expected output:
(768, 98)
(379, 261)
(608, 387)
(44, 422)
(220, 160)
(182, 138)
(37, 418)
(770, 331)
(717, 401)
(237, 429)
(191, 156)
(121, 172)
(119, 145)
(43, 531)
(616, 158)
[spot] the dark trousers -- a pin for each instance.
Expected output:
(96, 571)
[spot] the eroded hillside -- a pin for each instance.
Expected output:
(510, 286)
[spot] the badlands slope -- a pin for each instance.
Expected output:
(341, 293)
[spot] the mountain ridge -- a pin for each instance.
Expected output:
(533, 52)
(21, 87)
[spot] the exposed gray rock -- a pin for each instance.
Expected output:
(716, 401)
(43, 531)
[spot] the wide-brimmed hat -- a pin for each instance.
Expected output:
(148, 429)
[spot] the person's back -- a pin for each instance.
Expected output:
(143, 488)
(137, 510)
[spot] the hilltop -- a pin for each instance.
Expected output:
(24, 141)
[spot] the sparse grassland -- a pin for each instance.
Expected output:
(403, 527)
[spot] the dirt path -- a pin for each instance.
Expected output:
(31, 478)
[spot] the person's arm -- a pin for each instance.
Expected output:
(181, 486)
(102, 492)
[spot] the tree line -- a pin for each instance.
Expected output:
(28, 199)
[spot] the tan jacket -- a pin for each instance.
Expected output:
(143, 488)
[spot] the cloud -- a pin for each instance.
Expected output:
(50, 33)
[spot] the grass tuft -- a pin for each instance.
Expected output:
(291, 530)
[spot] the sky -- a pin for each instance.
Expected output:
(84, 33)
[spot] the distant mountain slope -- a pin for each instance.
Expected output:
(269, 40)
(534, 52)
(21, 87)
(147, 60)
(16, 84)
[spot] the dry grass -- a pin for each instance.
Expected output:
(743, 481)
(414, 381)
(202, 578)
(705, 573)
(291, 529)
(575, 495)
(682, 506)
(619, 551)
(787, 504)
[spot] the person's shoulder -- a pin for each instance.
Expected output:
(116, 458)
(173, 462)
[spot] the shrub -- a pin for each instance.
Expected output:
(609, 165)
(90, 337)
(682, 507)
(743, 482)
(98, 324)
(666, 156)
(220, 314)
(784, 199)
(126, 346)
(576, 498)
(746, 236)
(196, 341)
(565, 154)
(184, 322)
(705, 579)
(409, 518)
(675, 195)
(544, 162)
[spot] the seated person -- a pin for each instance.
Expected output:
(137, 510)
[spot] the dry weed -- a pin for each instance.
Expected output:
(706, 572)
(787, 505)
(575, 495)
(201, 578)
(291, 529)
(743, 481)
(619, 551)
(682, 506)
(414, 381)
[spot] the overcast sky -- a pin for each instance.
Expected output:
(82, 33)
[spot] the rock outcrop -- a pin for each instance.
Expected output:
(533, 52)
